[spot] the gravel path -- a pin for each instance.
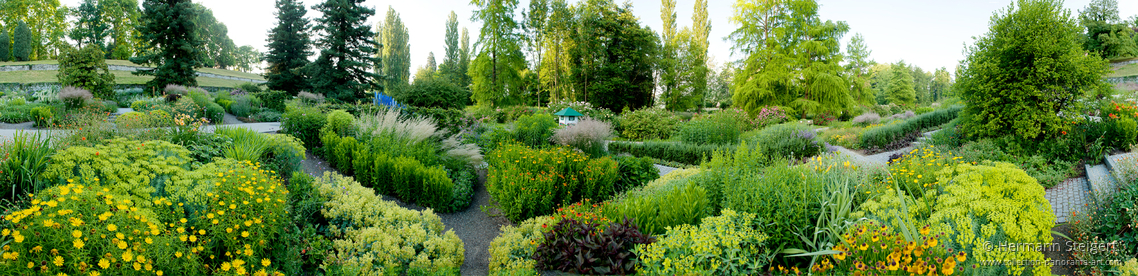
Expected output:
(473, 226)
(229, 119)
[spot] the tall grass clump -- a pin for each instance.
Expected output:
(22, 159)
(247, 144)
(588, 135)
(718, 128)
(387, 122)
(74, 97)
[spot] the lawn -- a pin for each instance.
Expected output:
(121, 77)
(1125, 70)
(222, 72)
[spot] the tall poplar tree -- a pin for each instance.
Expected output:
(343, 70)
(396, 53)
(701, 31)
(5, 44)
(168, 28)
(449, 68)
(464, 56)
(495, 72)
(289, 48)
(671, 96)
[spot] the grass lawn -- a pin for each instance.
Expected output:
(216, 71)
(121, 77)
(1125, 70)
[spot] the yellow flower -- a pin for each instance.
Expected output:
(76, 233)
(159, 273)
(225, 266)
(77, 243)
(112, 227)
(58, 261)
(265, 262)
(178, 254)
(244, 234)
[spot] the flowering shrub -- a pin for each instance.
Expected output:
(916, 171)
(877, 249)
(648, 123)
(529, 182)
(1109, 222)
(512, 251)
(381, 238)
(728, 244)
(128, 167)
(770, 115)
(849, 137)
(587, 135)
(866, 119)
(42, 116)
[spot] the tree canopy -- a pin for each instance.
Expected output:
(168, 27)
(396, 52)
(348, 52)
(289, 48)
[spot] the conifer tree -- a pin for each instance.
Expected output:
(5, 45)
(168, 27)
(22, 42)
(342, 72)
(289, 48)
(901, 91)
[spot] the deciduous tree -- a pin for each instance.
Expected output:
(901, 91)
(495, 71)
(450, 66)
(86, 68)
(90, 27)
(1029, 66)
(396, 53)
(46, 20)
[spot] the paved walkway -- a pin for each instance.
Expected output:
(1071, 196)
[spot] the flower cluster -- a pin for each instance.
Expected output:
(879, 250)
(729, 244)
(769, 115)
(528, 182)
(238, 216)
(916, 171)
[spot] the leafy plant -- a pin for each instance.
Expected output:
(527, 182)
(304, 122)
(669, 151)
(648, 123)
(74, 97)
(512, 251)
(655, 208)
(729, 244)
(42, 116)
(791, 140)
(580, 247)
(635, 172)
(890, 136)
(717, 128)
(22, 160)
(534, 130)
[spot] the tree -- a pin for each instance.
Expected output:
(670, 96)
(921, 82)
(858, 67)
(46, 20)
(22, 42)
(1106, 34)
(168, 27)
(289, 48)
(90, 27)
(555, 73)
(5, 45)
(86, 68)
(464, 62)
(396, 51)
(701, 30)
(217, 48)
(942, 81)
(1029, 66)
(247, 58)
(614, 56)
(347, 51)
(792, 58)
(434, 93)
(901, 90)
(534, 26)
(121, 16)
(431, 67)
(495, 78)
(449, 68)
(427, 71)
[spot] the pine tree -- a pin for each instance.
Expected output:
(289, 48)
(347, 51)
(22, 42)
(396, 53)
(901, 91)
(168, 27)
(5, 45)
(449, 68)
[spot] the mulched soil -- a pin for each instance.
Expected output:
(475, 227)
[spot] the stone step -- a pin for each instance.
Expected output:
(1101, 182)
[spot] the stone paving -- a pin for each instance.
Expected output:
(1068, 197)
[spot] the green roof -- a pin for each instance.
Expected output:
(568, 111)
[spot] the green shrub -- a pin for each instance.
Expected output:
(729, 244)
(647, 124)
(790, 140)
(382, 238)
(434, 93)
(214, 113)
(534, 130)
(587, 135)
(86, 68)
(267, 116)
(304, 122)
(717, 128)
(131, 120)
(668, 151)
(1125, 132)
(340, 122)
(512, 250)
(634, 172)
(43, 116)
(529, 182)
(658, 207)
(124, 97)
(136, 168)
(453, 120)
(395, 173)
(888, 136)
(273, 99)
(145, 105)
(14, 114)
(245, 105)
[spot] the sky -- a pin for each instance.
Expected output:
(926, 33)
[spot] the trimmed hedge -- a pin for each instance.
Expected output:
(881, 137)
(674, 152)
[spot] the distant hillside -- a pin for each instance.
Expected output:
(222, 78)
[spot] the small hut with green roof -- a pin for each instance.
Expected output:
(567, 116)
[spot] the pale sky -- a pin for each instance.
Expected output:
(926, 33)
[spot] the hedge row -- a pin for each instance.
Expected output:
(880, 137)
(674, 152)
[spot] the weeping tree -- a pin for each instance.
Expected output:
(792, 58)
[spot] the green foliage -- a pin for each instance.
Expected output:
(614, 56)
(342, 71)
(716, 129)
(248, 145)
(396, 52)
(22, 160)
(81, 68)
(267, 116)
(42, 116)
(22, 42)
(340, 122)
(738, 247)
(168, 28)
(1008, 92)
(789, 140)
(136, 168)
(214, 112)
(1043, 164)
(434, 93)
(647, 124)
(901, 86)
(453, 120)
(587, 248)
(381, 237)
(1106, 34)
(304, 123)
(1110, 219)
(668, 151)
(534, 130)
(513, 249)
(528, 182)
(246, 105)
(635, 172)
(273, 99)
(5, 45)
(887, 136)
(496, 66)
(14, 114)
(660, 205)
